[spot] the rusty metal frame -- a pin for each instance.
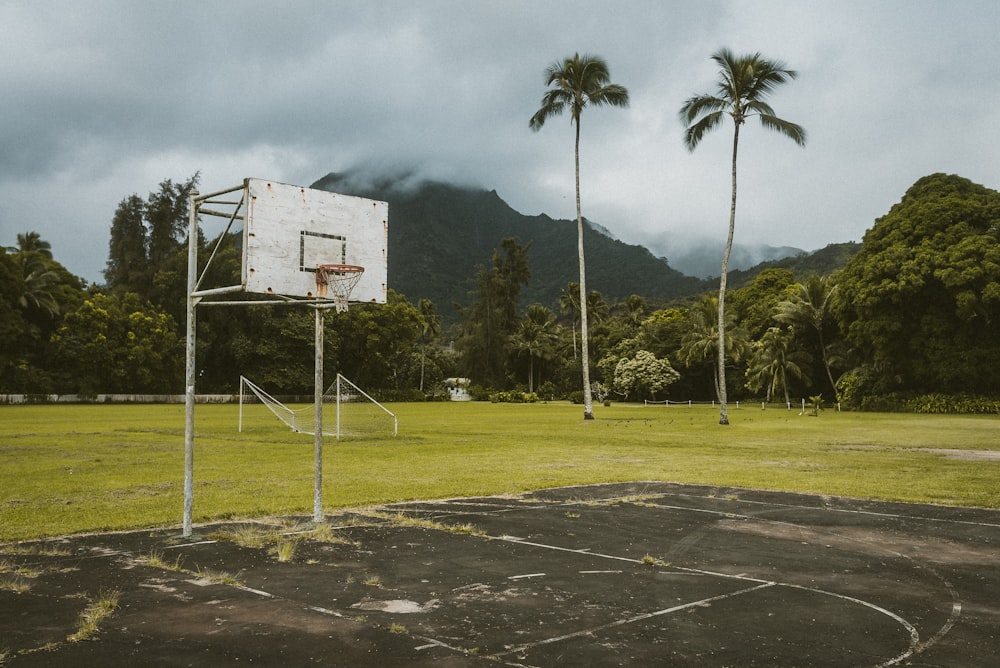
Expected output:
(196, 296)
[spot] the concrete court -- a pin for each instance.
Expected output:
(634, 574)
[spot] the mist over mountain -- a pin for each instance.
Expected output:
(439, 233)
(703, 258)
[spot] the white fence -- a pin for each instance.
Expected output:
(13, 399)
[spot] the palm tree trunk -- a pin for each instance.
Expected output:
(723, 412)
(588, 404)
(826, 364)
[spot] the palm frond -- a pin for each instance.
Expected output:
(744, 84)
(612, 94)
(554, 102)
(791, 130)
(694, 134)
(695, 106)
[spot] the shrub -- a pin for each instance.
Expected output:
(513, 397)
(547, 391)
(480, 393)
(946, 403)
(576, 396)
(411, 394)
(962, 404)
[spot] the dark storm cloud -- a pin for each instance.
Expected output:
(105, 99)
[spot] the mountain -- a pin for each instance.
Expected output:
(824, 261)
(439, 233)
(704, 259)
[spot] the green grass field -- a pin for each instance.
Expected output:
(78, 468)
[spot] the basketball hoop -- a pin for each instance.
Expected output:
(336, 281)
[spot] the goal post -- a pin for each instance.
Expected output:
(359, 414)
(348, 411)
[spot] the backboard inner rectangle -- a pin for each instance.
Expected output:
(317, 248)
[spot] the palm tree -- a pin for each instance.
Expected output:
(773, 360)
(574, 83)
(702, 341)
(743, 87)
(39, 282)
(569, 302)
(32, 241)
(808, 308)
(430, 328)
(535, 337)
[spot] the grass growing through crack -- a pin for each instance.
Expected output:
(34, 551)
(281, 542)
(156, 559)
(650, 560)
(404, 520)
(127, 475)
(96, 612)
(284, 551)
(219, 577)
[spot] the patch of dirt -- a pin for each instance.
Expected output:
(966, 455)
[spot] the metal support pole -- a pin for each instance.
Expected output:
(318, 430)
(189, 377)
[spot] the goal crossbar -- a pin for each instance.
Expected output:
(357, 412)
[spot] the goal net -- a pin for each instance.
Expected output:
(348, 412)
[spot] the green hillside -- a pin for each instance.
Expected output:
(440, 233)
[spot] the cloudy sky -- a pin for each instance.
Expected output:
(100, 99)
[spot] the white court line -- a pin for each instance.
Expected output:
(910, 629)
(849, 511)
(630, 620)
(586, 551)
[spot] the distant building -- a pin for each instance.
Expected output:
(458, 388)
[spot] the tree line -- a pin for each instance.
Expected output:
(909, 323)
(912, 315)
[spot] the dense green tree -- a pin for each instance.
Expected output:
(111, 345)
(491, 319)
(274, 346)
(146, 237)
(643, 374)
(920, 302)
(12, 325)
(575, 83)
(373, 343)
(36, 292)
(754, 303)
(167, 218)
(744, 84)
(127, 267)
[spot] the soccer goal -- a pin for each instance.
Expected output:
(348, 411)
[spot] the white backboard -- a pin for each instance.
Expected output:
(290, 229)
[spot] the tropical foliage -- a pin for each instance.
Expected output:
(908, 324)
(920, 303)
